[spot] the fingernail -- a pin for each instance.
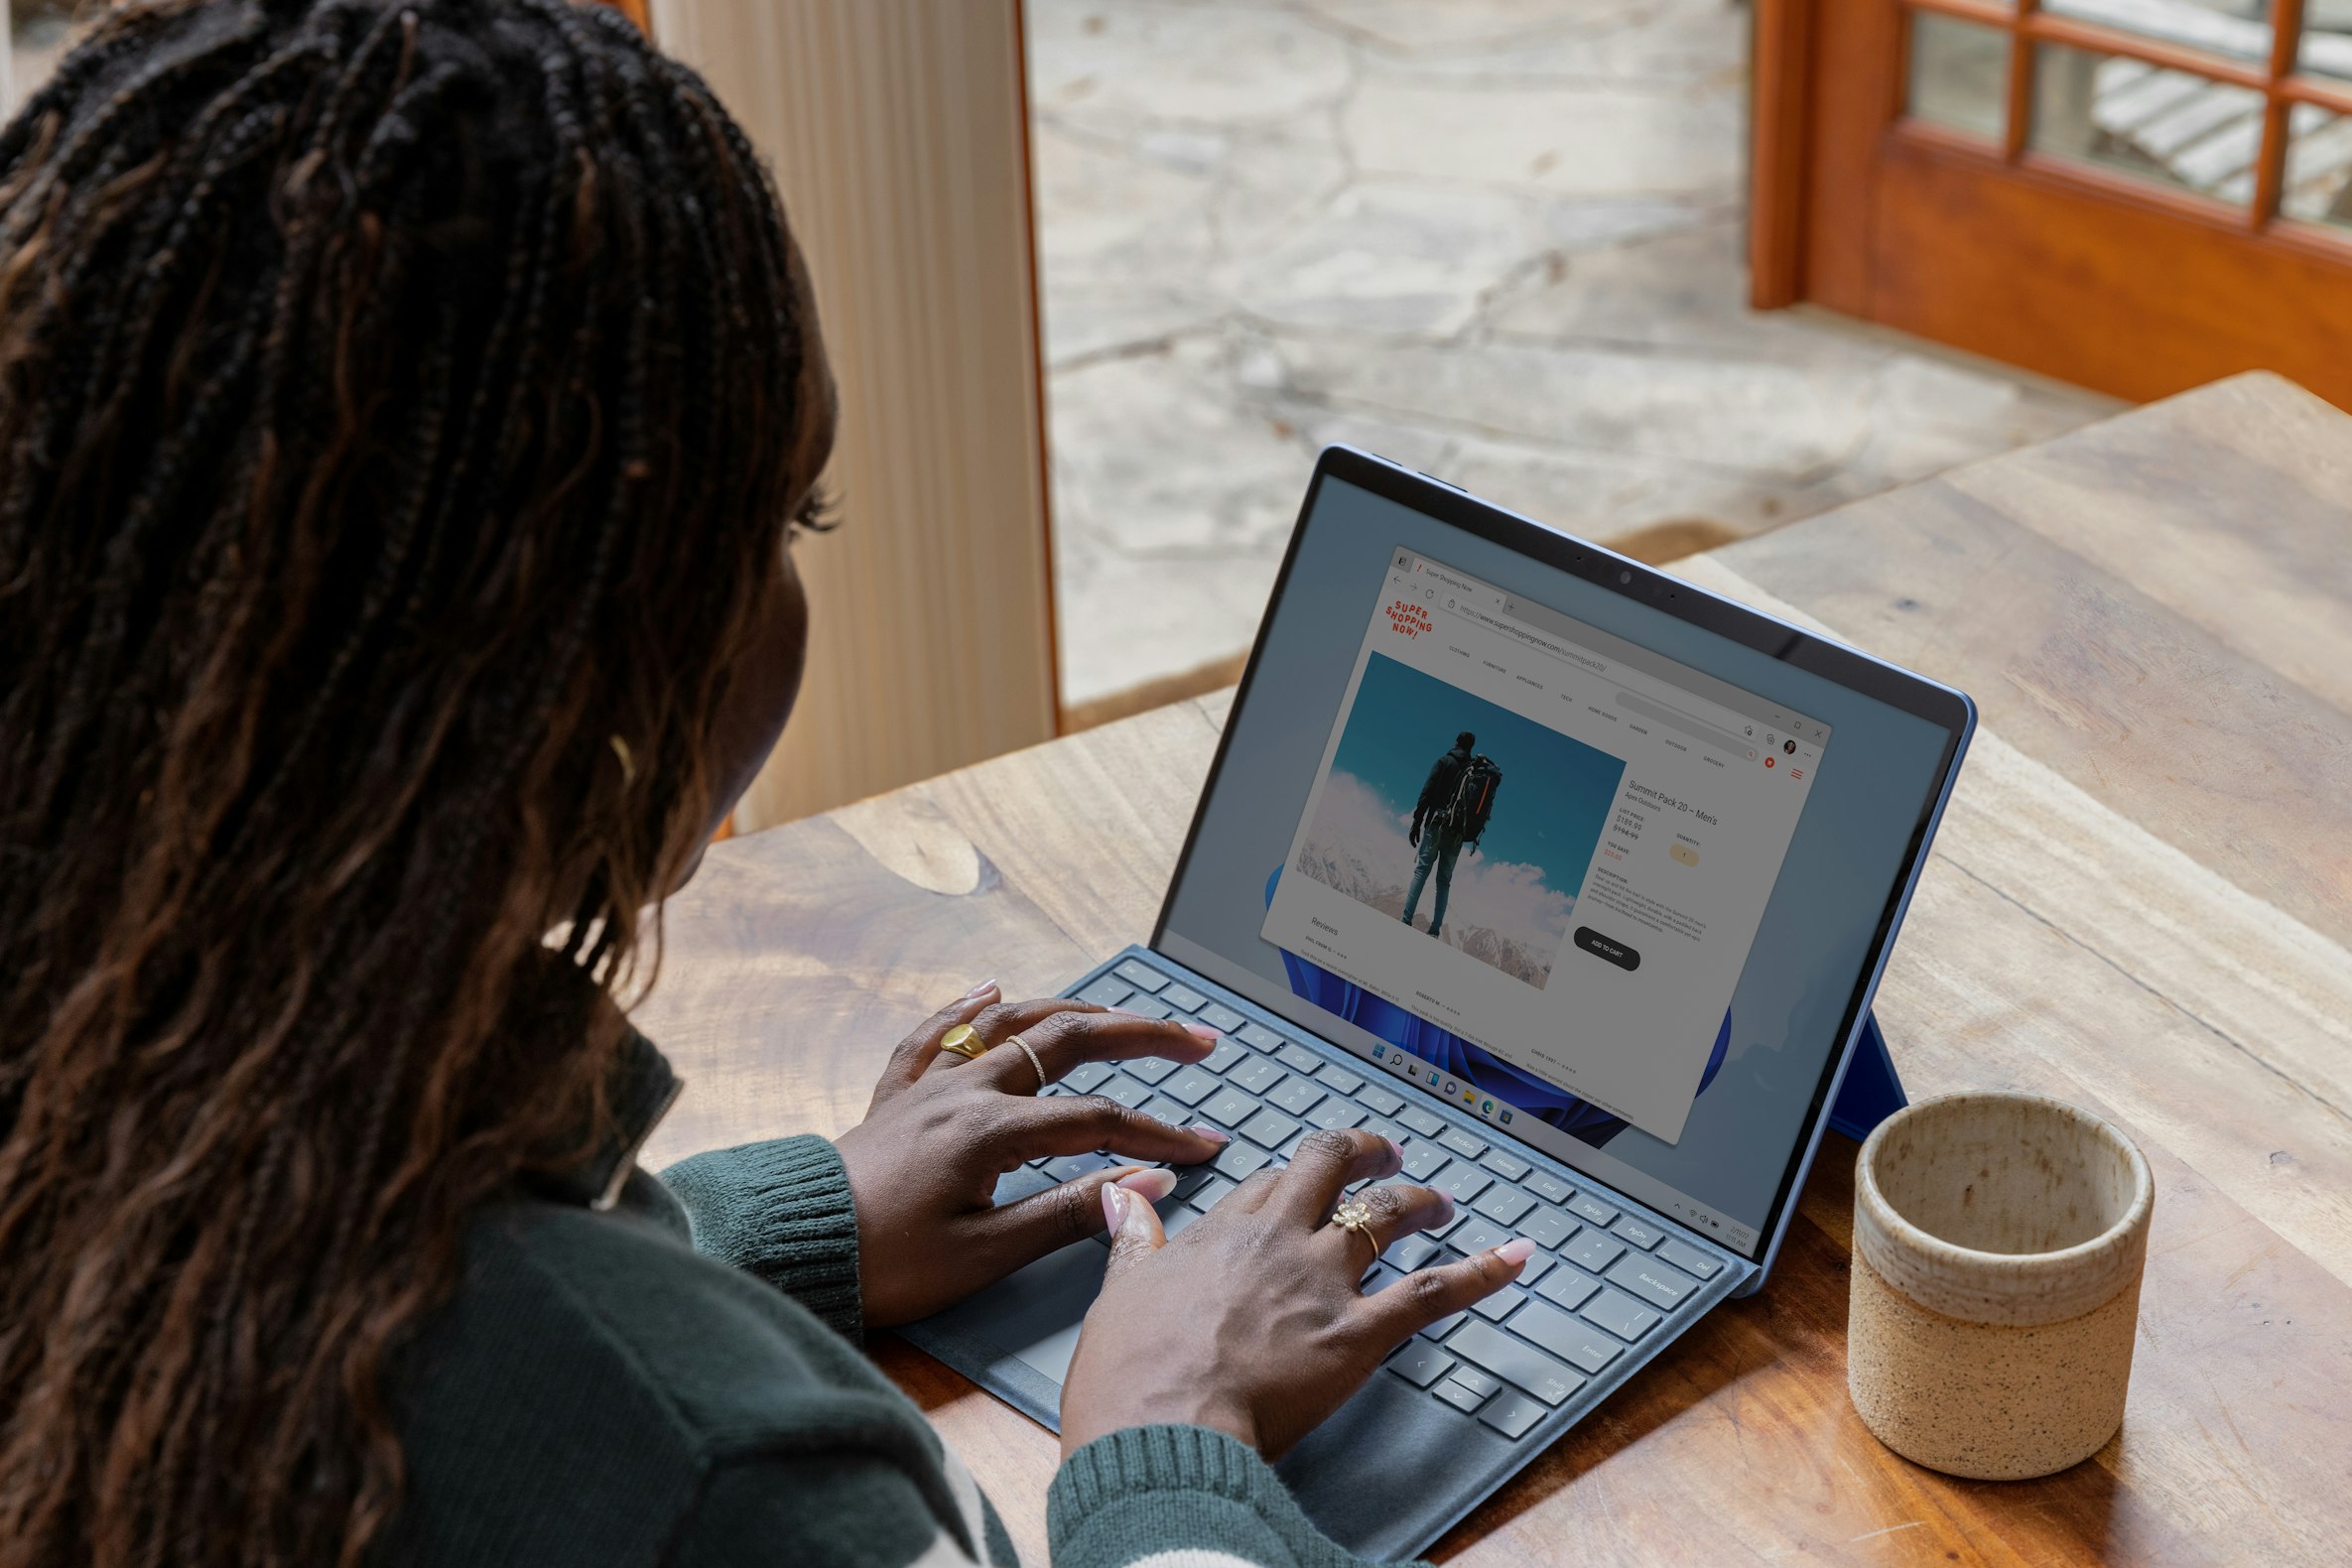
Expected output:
(1114, 1206)
(1449, 1198)
(1201, 1032)
(1517, 1250)
(982, 990)
(1212, 1134)
(1395, 1148)
(1151, 1185)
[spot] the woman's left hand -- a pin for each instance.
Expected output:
(924, 1163)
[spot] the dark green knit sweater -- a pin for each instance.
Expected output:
(674, 1379)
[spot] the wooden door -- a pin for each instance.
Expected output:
(2136, 195)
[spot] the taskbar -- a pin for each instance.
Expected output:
(1481, 1103)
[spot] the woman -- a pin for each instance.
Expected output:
(404, 411)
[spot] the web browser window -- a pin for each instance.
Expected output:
(1543, 843)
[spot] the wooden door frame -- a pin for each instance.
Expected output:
(2038, 260)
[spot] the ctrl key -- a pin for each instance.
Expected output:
(1421, 1364)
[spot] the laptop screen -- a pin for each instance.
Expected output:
(1589, 872)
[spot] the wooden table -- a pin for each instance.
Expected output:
(2140, 903)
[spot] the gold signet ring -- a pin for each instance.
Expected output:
(963, 1041)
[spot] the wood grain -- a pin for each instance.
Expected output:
(2138, 903)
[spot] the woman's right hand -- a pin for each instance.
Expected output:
(1252, 1321)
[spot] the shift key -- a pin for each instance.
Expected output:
(1496, 1352)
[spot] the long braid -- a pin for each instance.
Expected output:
(390, 403)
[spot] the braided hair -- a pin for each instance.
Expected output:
(397, 412)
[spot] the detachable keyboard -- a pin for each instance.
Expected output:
(1605, 1274)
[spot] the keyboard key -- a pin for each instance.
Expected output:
(1547, 1226)
(1652, 1282)
(1336, 1113)
(1072, 1166)
(1229, 1107)
(1339, 1080)
(1475, 1381)
(1298, 1095)
(1477, 1237)
(1587, 1207)
(1688, 1258)
(1633, 1230)
(1461, 1143)
(1161, 1108)
(1490, 1350)
(1383, 1103)
(1148, 1008)
(1206, 1196)
(1225, 1058)
(1503, 1205)
(1410, 1252)
(1508, 1166)
(1445, 1324)
(1621, 1316)
(1140, 975)
(1298, 1057)
(1290, 1145)
(1192, 1085)
(1464, 1182)
(1565, 1337)
(1183, 997)
(1259, 1037)
(1550, 1188)
(1257, 1075)
(1502, 1304)
(1380, 1277)
(1126, 1090)
(1151, 1069)
(1461, 1399)
(1175, 1217)
(1446, 1228)
(1419, 1120)
(1389, 1131)
(1109, 992)
(1423, 1160)
(1270, 1127)
(1593, 1252)
(1190, 1179)
(1536, 1266)
(1238, 1160)
(1216, 1015)
(1512, 1414)
(1567, 1287)
(1420, 1362)
(1085, 1077)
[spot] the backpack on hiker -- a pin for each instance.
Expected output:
(1464, 813)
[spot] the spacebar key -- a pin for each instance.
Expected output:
(1513, 1362)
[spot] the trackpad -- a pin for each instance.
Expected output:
(1036, 1312)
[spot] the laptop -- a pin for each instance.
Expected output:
(1573, 878)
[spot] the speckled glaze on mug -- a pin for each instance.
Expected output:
(1999, 1241)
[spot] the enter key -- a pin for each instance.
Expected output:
(1652, 1282)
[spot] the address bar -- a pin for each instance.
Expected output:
(1512, 628)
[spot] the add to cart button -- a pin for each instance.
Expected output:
(1683, 852)
(1609, 948)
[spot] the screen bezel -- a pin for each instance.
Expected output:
(1939, 705)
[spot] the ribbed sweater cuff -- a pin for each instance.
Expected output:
(782, 1211)
(1157, 1489)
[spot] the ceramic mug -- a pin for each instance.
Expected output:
(1998, 1239)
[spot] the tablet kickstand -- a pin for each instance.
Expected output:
(1871, 1093)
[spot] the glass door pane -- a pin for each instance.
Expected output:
(2318, 188)
(1959, 73)
(2239, 29)
(2172, 127)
